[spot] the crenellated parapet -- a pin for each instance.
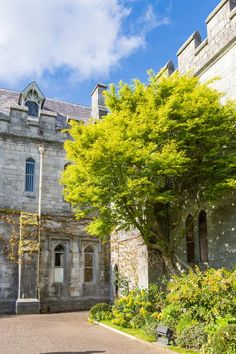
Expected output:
(197, 55)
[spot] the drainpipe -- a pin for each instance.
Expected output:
(20, 263)
(41, 152)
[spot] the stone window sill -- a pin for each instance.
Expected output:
(30, 195)
(33, 121)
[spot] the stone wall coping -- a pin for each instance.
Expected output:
(34, 139)
(216, 57)
(232, 13)
(104, 86)
(19, 107)
(201, 46)
(216, 10)
(194, 36)
(4, 117)
(70, 117)
(48, 113)
(28, 300)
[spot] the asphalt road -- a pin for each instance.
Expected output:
(65, 333)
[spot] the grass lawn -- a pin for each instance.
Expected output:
(139, 333)
(182, 350)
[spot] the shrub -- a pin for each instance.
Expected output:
(150, 326)
(126, 308)
(220, 322)
(204, 296)
(223, 341)
(137, 321)
(100, 312)
(193, 336)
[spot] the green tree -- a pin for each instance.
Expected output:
(162, 144)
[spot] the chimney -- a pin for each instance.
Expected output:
(98, 105)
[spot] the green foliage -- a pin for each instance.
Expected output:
(199, 307)
(193, 336)
(100, 312)
(223, 341)
(123, 284)
(132, 310)
(160, 144)
(200, 296)
(150, 326)
(136, 332)
(138, 321)
(219, 323)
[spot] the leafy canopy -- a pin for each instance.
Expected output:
(161, 144)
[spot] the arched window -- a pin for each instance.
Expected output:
(88, 264)
(116, 280)
(59, 260)
(203, 244)
(29, 175)
(33, 108)
(190, 239)
(65, 167)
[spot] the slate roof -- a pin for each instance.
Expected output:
(63, 109)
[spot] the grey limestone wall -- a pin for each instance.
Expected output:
(8, 267)
(221, 232)
(129, 255)
(20, 141)
(215, 56)
(74, 289)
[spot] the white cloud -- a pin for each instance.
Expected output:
(84, 36)
(152, 20)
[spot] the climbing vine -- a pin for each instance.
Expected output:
(23, 230)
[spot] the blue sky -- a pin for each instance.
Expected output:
(67, 46)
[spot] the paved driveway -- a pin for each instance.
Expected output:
(65, 333)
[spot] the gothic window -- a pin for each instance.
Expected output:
(116, 280)
(88, 264)
(203, 244)
(190, 239)
(29, 175)
(63, 197)
(59, 260)
(33, 108)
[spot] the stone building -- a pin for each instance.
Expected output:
(71, 270)
(211, 240)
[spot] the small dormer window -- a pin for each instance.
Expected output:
(32, 98)
(33, 108)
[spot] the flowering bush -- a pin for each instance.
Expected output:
(100, 312)
(200, 296)
(128, 307)
(199, 308)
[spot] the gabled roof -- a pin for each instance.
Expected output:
(34, 87)
(10, 98)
